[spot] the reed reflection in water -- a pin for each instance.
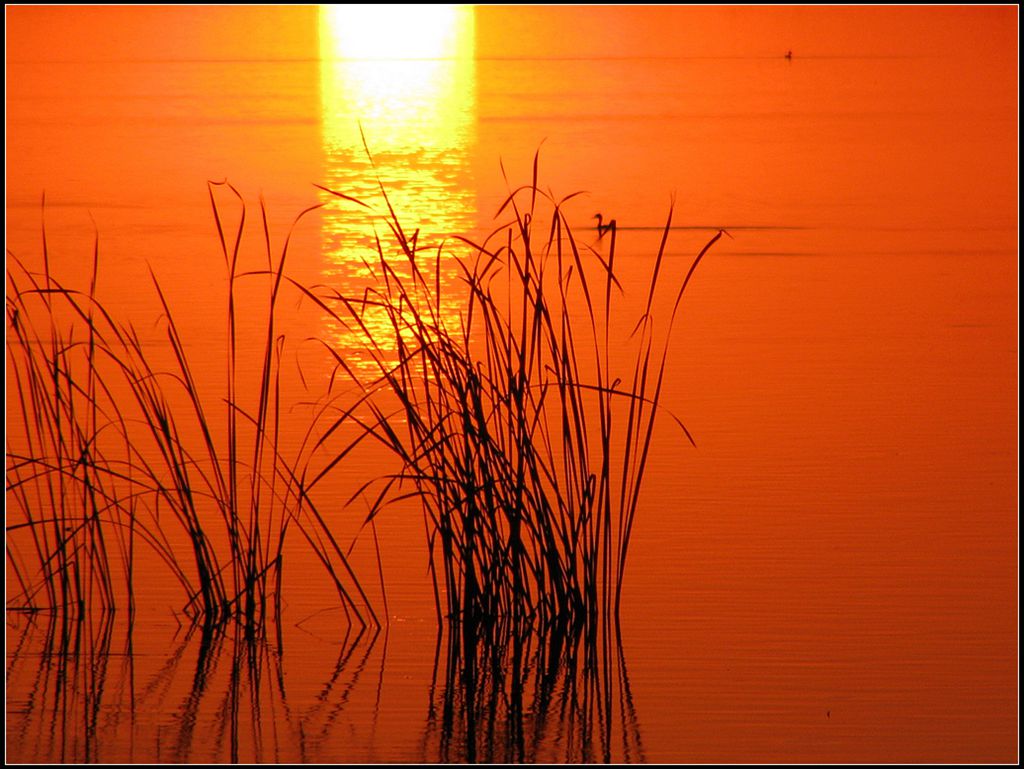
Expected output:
(93, 691)
(511, 695)
(217, 694)
(403, 91)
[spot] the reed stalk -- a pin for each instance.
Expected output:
(514, 424)
(116, 444)
(525, 439)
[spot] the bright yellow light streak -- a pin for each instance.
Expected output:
(404, 76)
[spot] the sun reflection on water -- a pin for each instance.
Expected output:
(403, 78)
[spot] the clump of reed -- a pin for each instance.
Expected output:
(61, 484)
(114, 447)
(524, 437)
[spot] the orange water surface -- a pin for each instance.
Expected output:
(829, 575)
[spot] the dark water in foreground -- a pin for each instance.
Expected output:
(216, 697)
(494, 696)
(830, 576)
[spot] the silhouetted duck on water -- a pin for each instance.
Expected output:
(788, 56)
(603, 228)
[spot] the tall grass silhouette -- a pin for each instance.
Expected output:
(523, 436)
(116, 446)
(524, 443)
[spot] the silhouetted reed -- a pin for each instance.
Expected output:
(525, 439)
(61, 484)
(113, 443)
(523, 436)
